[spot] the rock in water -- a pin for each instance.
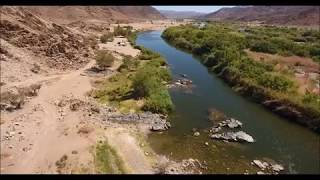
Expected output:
(196, 134)
(233, 123)
(242, 136)
(234, 136)
(260, 164)
(160, 126)
(277, 167)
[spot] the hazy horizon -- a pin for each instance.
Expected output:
(201, 9)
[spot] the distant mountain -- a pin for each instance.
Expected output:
(67, 14)
(180, 14)
(284, 15)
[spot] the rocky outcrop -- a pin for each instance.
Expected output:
(156, 122)
(186, 166)
(230, 123)
(61, 48)
(269, 167)
(225, 124)
(14, 98)
(239, 136)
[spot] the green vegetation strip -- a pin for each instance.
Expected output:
(107, 161)
(142, 78)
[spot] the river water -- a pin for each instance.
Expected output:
(278, 139)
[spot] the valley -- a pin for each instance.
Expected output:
(129, 90)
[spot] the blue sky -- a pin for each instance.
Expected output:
(205, 9)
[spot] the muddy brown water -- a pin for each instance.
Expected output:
(295, 147)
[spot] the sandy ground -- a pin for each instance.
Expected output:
(151, 25)
(35, 137)
(116, 48)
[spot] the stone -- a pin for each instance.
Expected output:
(261, 165)
(260, 172)
(277, 167)
(233, 123)
(196, 134)
(206, 143)
(215, 130)
(234, 136)
(146, 153)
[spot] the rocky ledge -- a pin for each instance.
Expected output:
(239, 136)
(223, 123)
(156, 122)
(265, 166)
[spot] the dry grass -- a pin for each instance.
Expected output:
(306, 64)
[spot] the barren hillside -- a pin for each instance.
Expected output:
(283, 15)
(68, 14)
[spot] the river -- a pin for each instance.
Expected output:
(287, 143)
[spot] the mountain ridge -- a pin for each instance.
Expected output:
(279, 15)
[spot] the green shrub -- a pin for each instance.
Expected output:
(311, 98)
(159, 102)
(146, 80)
(275, 82)
(148, 83)
(104, 59)
(264, 46)
(122, 31)
(129, 64)
(147, 54)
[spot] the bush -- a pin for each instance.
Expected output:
(264, 46)
(275, 82)
(159, 102)
(107, 37)
(147, 54)
(122, 31)
(147, 83)
(129, 64)
(104, 59)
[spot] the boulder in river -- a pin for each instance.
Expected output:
(239, 136)
(260, 164)
(215, 129)
(275, 168)
(160, 126)
(233, 123)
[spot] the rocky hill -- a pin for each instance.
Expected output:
(283, 15)
(67, 14)
(181, 14)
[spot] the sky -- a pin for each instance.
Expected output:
(204, 9)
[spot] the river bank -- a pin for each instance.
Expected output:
(258, 81)
(275, 138)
